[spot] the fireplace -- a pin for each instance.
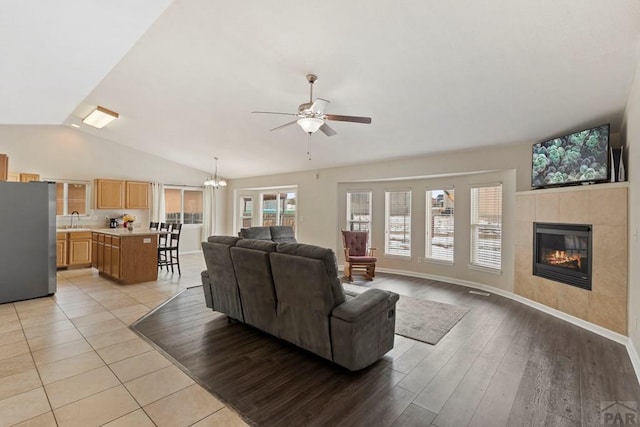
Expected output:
(562, 252)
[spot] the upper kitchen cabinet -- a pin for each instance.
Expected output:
(28, 177)
(109, 194)
(117, 194)
(137, 196)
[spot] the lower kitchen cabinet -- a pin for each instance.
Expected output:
(73, 249)
(61, 250)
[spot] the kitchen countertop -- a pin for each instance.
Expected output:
(123, 232)
(120, 232)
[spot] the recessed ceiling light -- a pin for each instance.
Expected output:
(100, 117)
(74, 125)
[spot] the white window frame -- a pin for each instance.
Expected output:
(182, 190)
(65, 196)
(388, 252)
(475, 225)
(278, 192)
(428, 255)
(241, 211)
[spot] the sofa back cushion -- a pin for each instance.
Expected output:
(307, 289)
(258, 233)
(282, 234)
(328, 258)
(253, 272)
(222, 277)
(225, 240)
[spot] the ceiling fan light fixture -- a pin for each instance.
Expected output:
(310, 124)
(100, 117)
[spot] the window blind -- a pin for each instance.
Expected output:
(398, 223)
(439, 227)
(486, 226)
(359, 210)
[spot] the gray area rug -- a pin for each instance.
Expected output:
(421, 319)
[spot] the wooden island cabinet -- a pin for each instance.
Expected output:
(126, 256)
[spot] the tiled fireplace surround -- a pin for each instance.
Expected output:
(605, 207)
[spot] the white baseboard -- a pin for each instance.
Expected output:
(190, 252)
(633, 355)
(613, 336)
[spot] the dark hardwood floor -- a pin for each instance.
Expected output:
(503, 364)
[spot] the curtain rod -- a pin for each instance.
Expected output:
(183, 185)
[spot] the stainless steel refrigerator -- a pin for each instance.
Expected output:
(27, 240)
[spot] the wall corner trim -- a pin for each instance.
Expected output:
(633, 355)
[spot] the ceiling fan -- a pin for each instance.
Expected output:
(311, 116)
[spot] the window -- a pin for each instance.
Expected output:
(279, 209)
(246, 211)
(397, 239)
(183, 206)
(359, 211)
(486, 226)
(72, 197)
(439, 225)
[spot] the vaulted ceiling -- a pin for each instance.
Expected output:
(433, 75)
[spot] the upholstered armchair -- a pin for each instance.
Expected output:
(357, 254)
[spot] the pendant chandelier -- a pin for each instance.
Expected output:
(214, 181)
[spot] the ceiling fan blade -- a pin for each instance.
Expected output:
(353, 119)
(318, 105)
(273, 112)
(285, 125)
(328, 130)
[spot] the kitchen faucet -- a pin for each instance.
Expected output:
(77, 213)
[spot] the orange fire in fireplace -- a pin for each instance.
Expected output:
(562, 259)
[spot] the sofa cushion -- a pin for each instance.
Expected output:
(222, 279)
(255, 282)
(258, 233)
(261, 245)
(225, 240)
(327, 256)
(363, 259)
(282, 234)
(305, 302)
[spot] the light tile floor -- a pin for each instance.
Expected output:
(71, 360)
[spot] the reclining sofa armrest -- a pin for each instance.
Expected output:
(206, 288)
(365, 305)
(362, 328)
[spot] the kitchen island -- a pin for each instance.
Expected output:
(125, 256)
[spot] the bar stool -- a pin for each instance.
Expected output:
(154, 225)
(164, 229)
(168, 255)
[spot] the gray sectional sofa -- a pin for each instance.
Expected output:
(292, 291)
(275, 233)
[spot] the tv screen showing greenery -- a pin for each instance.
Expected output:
(576, 158)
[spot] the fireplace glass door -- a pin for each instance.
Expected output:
(562, 252)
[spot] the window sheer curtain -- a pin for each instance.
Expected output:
(157, 213)
(208, 212)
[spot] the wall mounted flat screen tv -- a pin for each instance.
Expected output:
(581, 157)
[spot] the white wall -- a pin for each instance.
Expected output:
(59, 152)
(321, 200)
(631, 139)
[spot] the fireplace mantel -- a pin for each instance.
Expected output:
(604, 206)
